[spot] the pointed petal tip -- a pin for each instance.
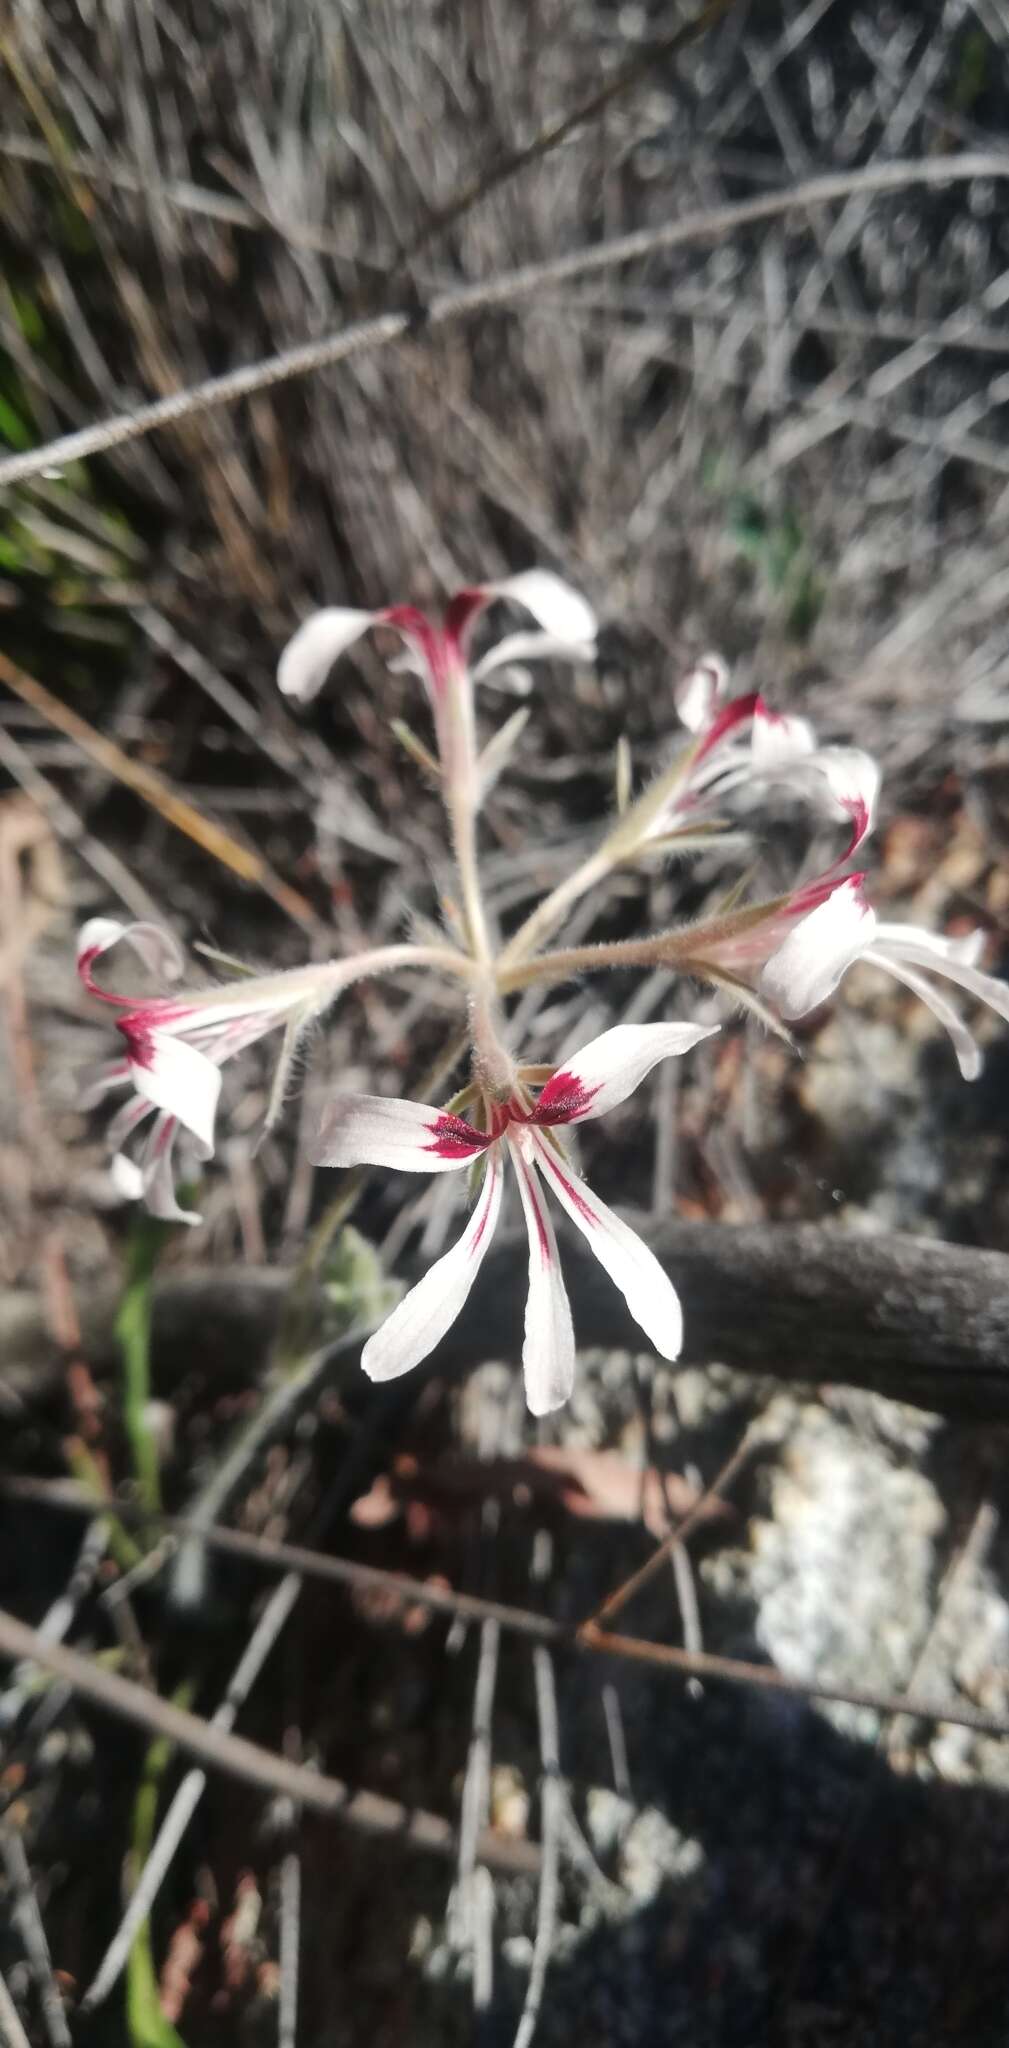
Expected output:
(420, 1321)
(561, 611)
(609, 1069)
(155, 946)
(630, 1262)
(319, 641)
(700, 690)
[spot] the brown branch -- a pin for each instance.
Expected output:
(154, 790)
(908, 1317)
(366, 1811)
(521, 1621)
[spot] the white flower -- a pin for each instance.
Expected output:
(379, 1131)
(175, 1046)
(437, 651)
(740, 746)
(819, 949)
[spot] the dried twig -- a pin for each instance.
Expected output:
(159, 794)
(551, 1811)
(13, 2033)
(521, 1621)
(486, 295)
(552, 1807)
(369, 1812)
(190, 1792)
(28, 1920)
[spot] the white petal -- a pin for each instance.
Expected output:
(126, 1178)
(159, 1178)
(965, 1045)
(548, 1354)
(967, 948)
(176, 1078)
(698, 693)
(647, 1290)
(610, 1067)
(923, 952)
(561, 611)
(126, 1120)
(309, 656)
(852, 778)
(158, 949)
(776, 741)
(407, 663)
(423, 1316)
(94, 1082)
(383, 1130)
(809, 964)
(532, 647)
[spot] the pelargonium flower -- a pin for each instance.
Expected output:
(742, 745)
(843, 928)
(174, 1047)
(437, 651)
(383, 1131)
(741, 943)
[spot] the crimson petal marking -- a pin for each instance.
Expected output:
(646, 1288)
(175, 1077)
(852, 778)
(736, 712)
(454, 1140)
(461, 614)
(548, 1354)
(384, 1130)
(607, 1070)
(421, 1319)
(158, 949)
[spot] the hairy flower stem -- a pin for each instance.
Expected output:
(331, 978)
(553, 908)
(730, 939)
(493, 1067)
(464, 841)
(666, 949)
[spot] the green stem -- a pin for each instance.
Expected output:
(133, 1333)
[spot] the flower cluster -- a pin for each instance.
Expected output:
(783, 957)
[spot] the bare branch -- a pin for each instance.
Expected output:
(16, 1641)
(367, 1811)
(909, 1317)
(487, 294)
